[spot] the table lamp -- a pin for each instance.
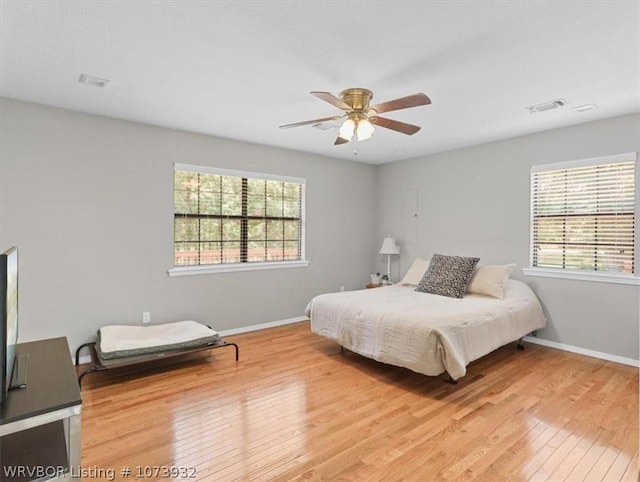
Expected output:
(389, 247)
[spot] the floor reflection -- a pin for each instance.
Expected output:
(231, 436)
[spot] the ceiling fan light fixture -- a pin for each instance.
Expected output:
(360, 119)
(347, 129)
(365, 130)
(356, 125)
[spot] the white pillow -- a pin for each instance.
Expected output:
(416, 272)
(489, 280)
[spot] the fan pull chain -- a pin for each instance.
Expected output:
(355, 138)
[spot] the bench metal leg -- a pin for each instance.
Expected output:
(236, 347)
(85, 345)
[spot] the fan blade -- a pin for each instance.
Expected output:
(340, 140)
(314, 121)
(332, 99)
(402, 103)
(394, 125)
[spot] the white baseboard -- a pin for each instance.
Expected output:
(262, 326)
(583, 351)
(83, 359)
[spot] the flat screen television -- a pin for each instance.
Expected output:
(8, 317)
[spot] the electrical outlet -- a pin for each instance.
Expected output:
(146, 317)
(342, 288)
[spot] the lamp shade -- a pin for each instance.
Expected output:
(365, 130)
(347, 129)
(389, 246)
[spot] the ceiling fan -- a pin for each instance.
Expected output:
(361, 117)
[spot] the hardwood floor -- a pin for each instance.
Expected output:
(295, 408)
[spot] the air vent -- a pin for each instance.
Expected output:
(584, 108)
(91, 80)
(545, 106)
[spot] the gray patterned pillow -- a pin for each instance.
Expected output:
(447, 275)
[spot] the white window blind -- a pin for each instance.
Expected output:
(232, 217)
(583, 215)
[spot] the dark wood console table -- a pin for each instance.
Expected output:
(40, 424)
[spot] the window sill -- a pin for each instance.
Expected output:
(624, 279)
(228, 268)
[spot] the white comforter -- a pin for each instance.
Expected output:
(426, 333)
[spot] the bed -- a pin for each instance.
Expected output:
(125, 345)
(427, 333)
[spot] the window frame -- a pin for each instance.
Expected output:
(587, 275)
(241, 265)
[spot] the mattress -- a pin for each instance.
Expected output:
(124, 341)
(426, 333)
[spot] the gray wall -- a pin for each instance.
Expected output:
(88, 200)
(475, 202)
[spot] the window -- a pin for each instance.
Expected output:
(583, 215)
(226, 219)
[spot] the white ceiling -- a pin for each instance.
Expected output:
(239, 69)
